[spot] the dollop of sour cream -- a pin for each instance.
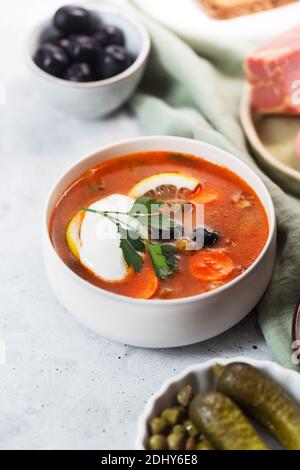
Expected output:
(100, 241)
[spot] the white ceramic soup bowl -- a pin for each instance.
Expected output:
(201, 377)
(91, 100)
(160, 323)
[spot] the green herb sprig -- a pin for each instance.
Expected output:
(133, 243)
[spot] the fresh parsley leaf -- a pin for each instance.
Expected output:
(163, 259)
(145, 205)
(133, 237)
(146, 210)
(169, 251)
(131, 245)
(132, 257)
(137, 243)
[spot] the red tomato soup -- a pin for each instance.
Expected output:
(235, 226)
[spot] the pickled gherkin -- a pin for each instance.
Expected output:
(223, 423)
(263, 399)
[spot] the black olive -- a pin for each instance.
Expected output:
(82, 48)
(64, 43)
(72, 19)
(209, 238)
(96, 24)
(52, 59)
(112, 61)
(80, 72)
(110, 35)
(50, 34)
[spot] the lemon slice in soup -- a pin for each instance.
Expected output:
(73, 234)
(94, 239)
(165, 186)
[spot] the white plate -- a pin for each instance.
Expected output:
(189, 20)
(201, 376)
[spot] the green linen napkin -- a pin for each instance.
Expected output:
(196, 95)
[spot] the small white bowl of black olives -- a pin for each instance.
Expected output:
(88, 61)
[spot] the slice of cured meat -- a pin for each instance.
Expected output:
(274, 74)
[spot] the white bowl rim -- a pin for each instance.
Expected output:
(200, 367)
(161, 302)
(250, 131)
(136, 65)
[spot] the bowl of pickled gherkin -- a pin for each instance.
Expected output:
(224, 404)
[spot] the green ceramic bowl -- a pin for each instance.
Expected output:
(272, 140)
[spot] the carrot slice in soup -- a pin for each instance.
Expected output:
(141, 285)
(211, 265)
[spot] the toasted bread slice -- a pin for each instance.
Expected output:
(225, 9)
